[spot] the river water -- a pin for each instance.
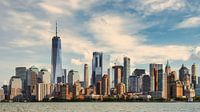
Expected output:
(99, 107)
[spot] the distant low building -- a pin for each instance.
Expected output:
(2, 95)
(121, 88)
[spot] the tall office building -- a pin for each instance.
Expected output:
(146, 84)
(56, 60)
(194, 75)
(133, 83)
(165, 81)
(127, 72)
(105, 85)
(44, 90)
(32, 76)
(139, 72)
(21, 72)
(156, 74)
(100, 65)
(73, 76)
(86, 79)
(183, 72)
(15, 87)
(44, 76)
(171, 80)
(167, 68)
(118, 73)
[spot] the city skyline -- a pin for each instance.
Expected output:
(168, 30)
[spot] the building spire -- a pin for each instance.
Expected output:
(56, 29)
(167, 64)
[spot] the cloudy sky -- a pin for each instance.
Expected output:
(148, 31)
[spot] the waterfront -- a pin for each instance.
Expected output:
(99, 107)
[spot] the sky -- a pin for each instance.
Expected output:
(147, 31)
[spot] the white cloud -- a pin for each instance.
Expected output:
(76, 62)
(66, 7)
(51, 8)
(114, 34)
(189, 23)
(149, 7)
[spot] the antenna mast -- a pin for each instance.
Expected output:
(56, 29)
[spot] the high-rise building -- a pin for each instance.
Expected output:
(127, 71)
(105, 85)
(133, 84)
(194, 75)
(15, 87)
(73, 76)
(156, 74)
(165, 81)
(44, 76)
(44, 90)
(76, 89)
(118, 73)
(99, 87)
(171, 78)
(86, 78)
(32, 78)
(146, 84)
(56, 60)
(139, 72)
(21, 72)
(182, 72)
(177, 89)
(100, 65)
(167, 68)
(198, 80)
(64, 77)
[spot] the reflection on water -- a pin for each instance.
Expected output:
(100, 107)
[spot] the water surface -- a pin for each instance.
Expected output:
(99, 107)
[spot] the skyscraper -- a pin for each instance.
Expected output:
(44, 76)
(100, 65)
(156, 74)
(118, 73)
(105, 85)
(167, 68)
(146, 84)
(21, 72)
(165, 80)
(127, 70)
(183, 72)
(194, 75)
(86, 83)
(15, 87)
(139, 72)
(56, 61)
(73, 76)
(32, 78)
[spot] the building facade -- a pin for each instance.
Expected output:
(100, 66)
(118, 73)
(86, 78)
(73, 76)
(126, 71)
(56, 60)
(156, 74)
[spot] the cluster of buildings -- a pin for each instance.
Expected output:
(34, 84)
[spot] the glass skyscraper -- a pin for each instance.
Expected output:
(127, 71)
(56, 61)
(100, 66)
